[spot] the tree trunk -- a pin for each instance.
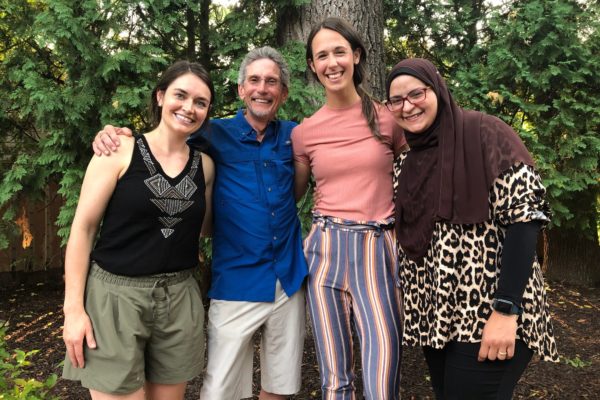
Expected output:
(190, 33)
(203, 29)
(295, 23)
(47, 229)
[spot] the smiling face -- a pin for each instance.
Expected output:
(185, 104)
(333, 61)
(413, 118)
(262, 91)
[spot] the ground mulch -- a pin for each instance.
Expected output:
(34, 316)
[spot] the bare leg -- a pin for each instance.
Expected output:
(156, 391)
(137, 395)
(270, 396)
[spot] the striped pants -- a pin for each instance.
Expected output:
(352, 281)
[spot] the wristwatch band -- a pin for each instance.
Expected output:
(506, 307)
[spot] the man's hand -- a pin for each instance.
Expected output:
(107, 140)
(498, 338)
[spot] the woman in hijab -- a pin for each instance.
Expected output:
(469, 206)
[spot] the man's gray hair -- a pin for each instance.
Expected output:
(268, 53)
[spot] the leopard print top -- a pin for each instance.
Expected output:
(448, 296)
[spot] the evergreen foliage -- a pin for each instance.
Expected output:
(533, 63)
(69, 67)
(541, 74)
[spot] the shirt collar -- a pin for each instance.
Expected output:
(247, 133)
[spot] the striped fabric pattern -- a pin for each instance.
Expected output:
(353, 282)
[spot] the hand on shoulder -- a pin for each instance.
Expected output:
(108, 139)
(118, 163)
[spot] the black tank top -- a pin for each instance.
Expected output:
(152, 222)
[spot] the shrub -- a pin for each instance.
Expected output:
(12, 366)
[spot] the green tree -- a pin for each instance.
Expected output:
(446, 32)
(69, 67)
(533, 63)
(541, 74)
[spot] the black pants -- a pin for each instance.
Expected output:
(457, 375)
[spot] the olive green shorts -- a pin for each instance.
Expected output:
(146, 328)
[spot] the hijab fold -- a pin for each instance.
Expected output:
(450, 169)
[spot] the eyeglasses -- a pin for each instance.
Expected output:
(270, 82)
(415, 97)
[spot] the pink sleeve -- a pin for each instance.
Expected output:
(298, 146)
(398, 140)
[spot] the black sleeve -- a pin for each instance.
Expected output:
(517, 260)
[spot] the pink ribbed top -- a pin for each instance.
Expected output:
(352, 169)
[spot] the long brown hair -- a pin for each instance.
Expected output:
(359, 76)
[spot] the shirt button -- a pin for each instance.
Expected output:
(274, 237)
(269, 189)
(273, 213)
(265, 164)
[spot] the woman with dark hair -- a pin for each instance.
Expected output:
(133, 312)
(349, 145)
(469, 206)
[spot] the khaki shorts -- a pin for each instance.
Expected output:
(146, 328)
(231, 327)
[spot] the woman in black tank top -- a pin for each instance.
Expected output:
(133, 312)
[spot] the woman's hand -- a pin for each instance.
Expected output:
(78, 327)
(498, 339)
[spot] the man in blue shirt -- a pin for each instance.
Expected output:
(258, 265)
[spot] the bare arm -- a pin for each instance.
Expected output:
(98, 185)
(301, 178)
(208, 167)
(107, 140)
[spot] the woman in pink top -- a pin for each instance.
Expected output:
(349, 145)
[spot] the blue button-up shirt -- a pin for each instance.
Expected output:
(256, 234)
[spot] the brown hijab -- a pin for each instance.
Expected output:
(450, 169)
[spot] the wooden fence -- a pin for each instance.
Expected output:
(35, 251)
